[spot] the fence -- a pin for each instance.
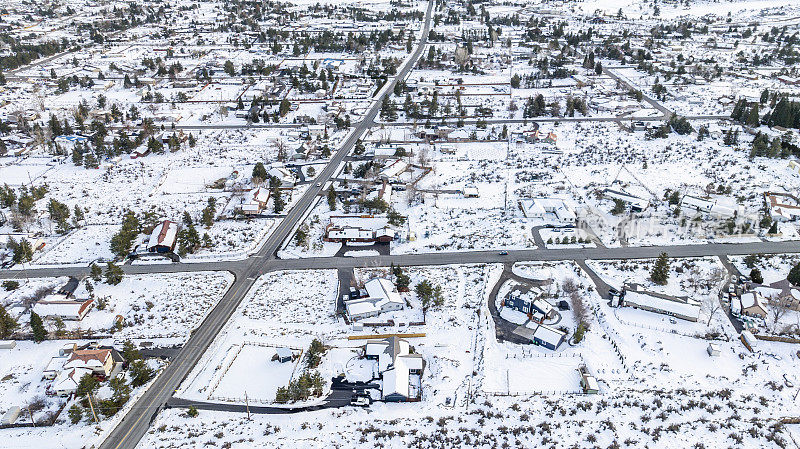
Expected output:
(221, 376)
(778, 338)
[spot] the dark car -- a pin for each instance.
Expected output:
(503, 253)
(7, 264)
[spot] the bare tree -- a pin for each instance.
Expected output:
(711, 305)
(281, 146)
(579, 307)
(776, 309)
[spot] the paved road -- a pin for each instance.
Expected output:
(133, 426)
(258, 264)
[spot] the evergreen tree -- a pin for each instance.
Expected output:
(794, 275)
(113, 274)
(331, 198)
(37, 326)
(7, 323)
(660, 272)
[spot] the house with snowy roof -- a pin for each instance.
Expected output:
(66, 383)
(99, 361)
(63, 307)
(679, 307)
(753, 304)
(163, 238)
(397, 367)
(381, 297)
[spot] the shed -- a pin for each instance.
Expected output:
(8, 344)
(10, 416)
(282, 355)
(713, 350)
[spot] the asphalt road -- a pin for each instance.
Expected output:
(128, 433)
(258, 265)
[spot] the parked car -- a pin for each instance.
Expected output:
(503, 253)
(360, 401)
(7, 264)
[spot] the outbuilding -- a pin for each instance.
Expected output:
(163, 238)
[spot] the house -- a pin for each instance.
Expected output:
(99, 361)
(163, 238)
(282, 355)
(708, 205)
(536, 306)
(381, 297)
(59, 306)
(358, 228)
(753, 304)
(782, 206)
(256, 201)
(682, 308)
(396, 366)
(548, 337)
(285, 176)
(54, 366)
(636, 203)
(394, 169)
(553, 209)
(67, 381)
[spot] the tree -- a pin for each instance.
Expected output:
(122, 241)
(660, 272)
(755, 276)
(619, 207)
(113, 274)
(259, 172)
(75, 414)
(229, 68)
(430, 295)
(776, 309)
(284, 107)
(794, 275)
(401, 279)
(192, 412)
(129, 352)
(141, 373)
(88, 385)
(7, 323)
(39, 332)
(95, 272)
(331, 198)
(598, 68)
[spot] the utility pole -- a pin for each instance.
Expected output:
(91, 406)
(247, 405)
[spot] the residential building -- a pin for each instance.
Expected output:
(537, 306)
(753, 304)
(66, 383)
(683, 308)
(398, 367)
(552, 209)
(381, 297)
(163, 238)
(60, 306)
(99, 361)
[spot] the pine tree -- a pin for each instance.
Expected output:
(331, 198)
(660, 272)
(39, 332)
(7, 323)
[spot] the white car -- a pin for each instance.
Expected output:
(360, 401)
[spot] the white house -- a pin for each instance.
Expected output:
(381, 297)
(396, 365)
(67, 381)
(59, 306)
(554, 209)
